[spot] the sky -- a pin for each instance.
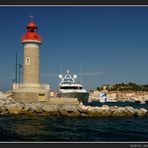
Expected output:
(106, 44)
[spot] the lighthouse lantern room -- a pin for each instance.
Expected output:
(32, 33)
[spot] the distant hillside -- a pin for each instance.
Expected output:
(125, 87)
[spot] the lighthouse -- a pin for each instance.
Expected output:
(31, 41)
(31, 90)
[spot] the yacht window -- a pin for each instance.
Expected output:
(68, 80)
(64, 87)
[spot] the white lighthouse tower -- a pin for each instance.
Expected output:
(31, 41)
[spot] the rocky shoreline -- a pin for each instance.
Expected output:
(8, 106)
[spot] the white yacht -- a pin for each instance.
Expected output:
(69, 88)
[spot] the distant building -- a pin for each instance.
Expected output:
(105, 86)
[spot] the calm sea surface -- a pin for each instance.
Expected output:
(44, 128)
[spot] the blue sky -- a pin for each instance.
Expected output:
(110, 43)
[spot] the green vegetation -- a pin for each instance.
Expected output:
(126, 87)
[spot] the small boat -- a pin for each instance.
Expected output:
(69, 88)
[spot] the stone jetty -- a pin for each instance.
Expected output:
(9, 106)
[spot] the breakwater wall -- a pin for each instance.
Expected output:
(9, 106)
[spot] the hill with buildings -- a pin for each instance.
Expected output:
(125, 87)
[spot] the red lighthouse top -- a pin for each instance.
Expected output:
(32, 33)
(31, 24)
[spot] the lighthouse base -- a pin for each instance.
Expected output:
(23, 93)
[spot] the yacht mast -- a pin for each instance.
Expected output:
(60, 67)
(81, 72)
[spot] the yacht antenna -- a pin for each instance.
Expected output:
(80, 72)
(60, 68)
(16, 68)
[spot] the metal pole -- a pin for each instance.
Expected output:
(16, 69)
(22, 73)
(20, 66)
(60, 68)
(19, 73)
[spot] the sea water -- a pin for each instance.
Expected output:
(74, 129)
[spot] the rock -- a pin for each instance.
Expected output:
(141, 112)
(5, 96)
(103, 113)
(6, 99)
(129, 108)
(129, 111)
(113, 108)
(35, 108)
(105, 107)
(9, 100)
(14, 108)
(2, 102)
(120, 112)
(2, 96)
(82, 108)
(92, 110)
(136, 112)
(3, 110)
(51, 110)
(69, 110)
(98, 112)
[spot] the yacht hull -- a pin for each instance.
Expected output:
(82, 96)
